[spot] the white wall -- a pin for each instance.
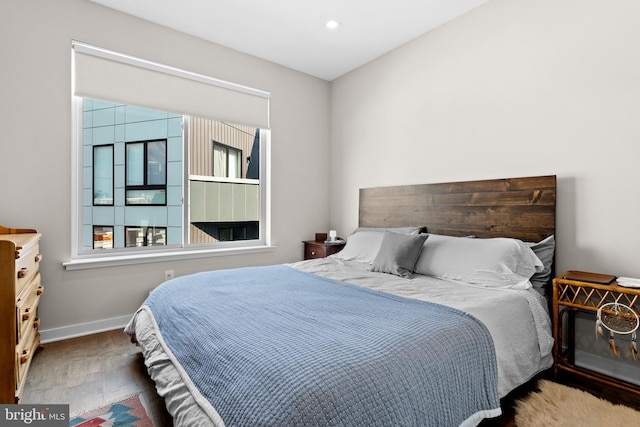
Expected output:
(35, 159)
(513, 88)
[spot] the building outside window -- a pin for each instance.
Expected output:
(143, 150)
(135, 197)
(224, 206)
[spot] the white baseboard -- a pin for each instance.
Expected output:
(82, 329)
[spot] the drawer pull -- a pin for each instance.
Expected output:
(313, 253)
(24, 357)
(22, 273)
(38, 257)
(36, 323)
(27, 314)
(39, 290)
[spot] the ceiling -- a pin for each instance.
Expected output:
(293, 32)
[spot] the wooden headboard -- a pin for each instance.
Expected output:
(521, 208)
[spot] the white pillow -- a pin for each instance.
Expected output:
(496, 262)
(362, 246)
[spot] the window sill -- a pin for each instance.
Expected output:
(143, 258)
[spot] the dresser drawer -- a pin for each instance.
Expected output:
(24, 353)
(314, 250)
(27, 266)
(27, 307)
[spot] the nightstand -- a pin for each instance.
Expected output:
(315, 249)
(580, 291)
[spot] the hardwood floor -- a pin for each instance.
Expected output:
(507, 419)
(90, 372)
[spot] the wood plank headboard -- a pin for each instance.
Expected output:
(521, 208)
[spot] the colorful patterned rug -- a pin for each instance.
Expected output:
(127, 412)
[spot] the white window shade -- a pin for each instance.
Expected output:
(111, 76)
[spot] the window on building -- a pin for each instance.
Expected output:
(102, 237)
(146, 173)
(103, 175)
(228, 232)
(145, 236)
(150, 178)
(227, 161)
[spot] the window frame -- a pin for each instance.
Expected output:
(145, 233)
(80, 260)
(93, 170)
(145, 173)
(95, 226)
(227, 149)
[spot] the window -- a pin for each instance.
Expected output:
(103, 175)
(102, 237)
(145, 236)
(150, 180)
(226, 161)
(146, 173)
(237, 231)
(141, 182)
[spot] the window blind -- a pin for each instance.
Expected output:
(103, 74)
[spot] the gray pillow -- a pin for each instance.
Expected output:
(544, 250)
(398, 253)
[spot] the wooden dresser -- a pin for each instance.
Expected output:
(20, 291)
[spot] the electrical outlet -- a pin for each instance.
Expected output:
(168, 275)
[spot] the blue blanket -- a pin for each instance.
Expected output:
(274, 346)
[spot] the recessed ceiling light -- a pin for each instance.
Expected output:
(332, 25)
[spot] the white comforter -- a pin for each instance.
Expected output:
(517, 319)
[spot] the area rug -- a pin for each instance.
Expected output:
(127, 412)
(559, 405)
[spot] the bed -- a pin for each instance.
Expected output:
(402, 327)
